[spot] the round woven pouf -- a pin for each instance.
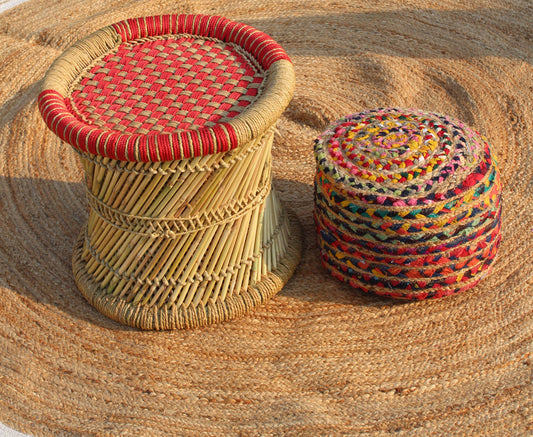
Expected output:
(407, 203)
(173, 119)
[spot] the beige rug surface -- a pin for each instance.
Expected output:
(320, 358)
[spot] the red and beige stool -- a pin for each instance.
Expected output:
(172, 117)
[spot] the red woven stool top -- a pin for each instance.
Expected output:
(166, 85)
(166, 88)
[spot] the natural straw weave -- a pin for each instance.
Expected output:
(407, 203)
(173, 119)
(319, 358)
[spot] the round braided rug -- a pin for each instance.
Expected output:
(320, 358)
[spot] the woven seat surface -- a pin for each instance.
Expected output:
(166, 85)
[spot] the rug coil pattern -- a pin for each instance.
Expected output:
(321, 358)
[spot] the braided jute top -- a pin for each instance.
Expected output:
(407, 203)
(403, 158)
(168, 87)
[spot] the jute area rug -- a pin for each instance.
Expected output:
(320, 358)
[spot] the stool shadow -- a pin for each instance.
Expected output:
(40, 222)
(398, 32)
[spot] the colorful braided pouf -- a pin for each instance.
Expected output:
(173, 118)
(407, 203)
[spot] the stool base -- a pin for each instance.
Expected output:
(163, 318)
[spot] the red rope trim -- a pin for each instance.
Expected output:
(257, 43)
(57, 114)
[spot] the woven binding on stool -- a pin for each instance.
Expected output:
(407, 203)
(172, 117)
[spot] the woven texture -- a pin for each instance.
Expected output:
(407, 203)
(320, 358)
(186, 242)
(166, 85)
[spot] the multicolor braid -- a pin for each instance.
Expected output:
(407, 203)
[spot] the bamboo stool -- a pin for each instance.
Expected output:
(173, 119)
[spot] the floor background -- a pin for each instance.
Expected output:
(320, 358)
